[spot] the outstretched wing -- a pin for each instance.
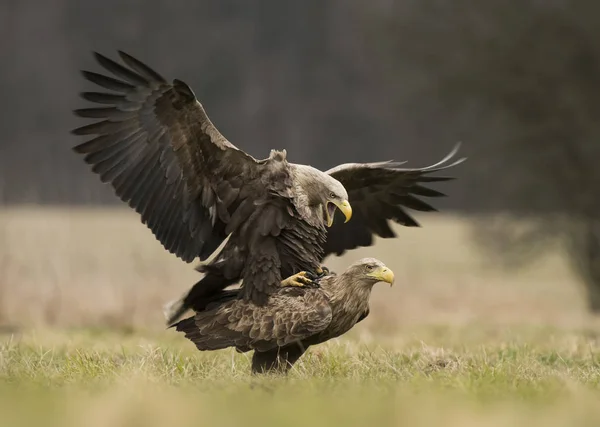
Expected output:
(162, 155)
(379, 192)
(292, 315)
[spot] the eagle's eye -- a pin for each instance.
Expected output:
(332, 195)
(369, 267)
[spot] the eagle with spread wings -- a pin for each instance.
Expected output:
(155, 145)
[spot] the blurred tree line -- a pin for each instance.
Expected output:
(527, 76)
(306, 76)
(341, 80)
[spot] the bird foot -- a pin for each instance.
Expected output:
(303, 279)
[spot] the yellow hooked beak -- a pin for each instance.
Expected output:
(343, 206)
(383, 274)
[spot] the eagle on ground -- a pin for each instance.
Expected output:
(155, 145)
(292, 320)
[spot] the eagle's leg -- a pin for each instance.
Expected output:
(303, 279)
(278, 360)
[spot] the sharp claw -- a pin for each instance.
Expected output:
(322, 271)
(301, 280)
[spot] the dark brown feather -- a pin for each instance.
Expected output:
(103, 98)
(379, 192)
(107, 82)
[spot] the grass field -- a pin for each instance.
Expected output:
(457, 341)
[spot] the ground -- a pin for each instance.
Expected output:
(456, 342)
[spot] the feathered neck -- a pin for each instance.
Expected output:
(306, 195)
(346, 293)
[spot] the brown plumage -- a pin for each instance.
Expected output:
(162, 155)
(292, 319)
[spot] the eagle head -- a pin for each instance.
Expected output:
(336, 196)
(319, 194)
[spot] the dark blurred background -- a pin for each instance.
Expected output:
(518, 82)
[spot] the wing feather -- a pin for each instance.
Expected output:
(107, 82)
(163, 156)
(379, 192)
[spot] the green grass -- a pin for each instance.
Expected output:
(456, 342)
(523, 376)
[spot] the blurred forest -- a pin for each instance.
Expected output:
(325, 79)
(335, 81)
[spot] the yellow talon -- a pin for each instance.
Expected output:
(300, 280)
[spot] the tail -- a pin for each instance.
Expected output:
(205, 291)
(191, 331)
(187, 326)
(208, 333)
